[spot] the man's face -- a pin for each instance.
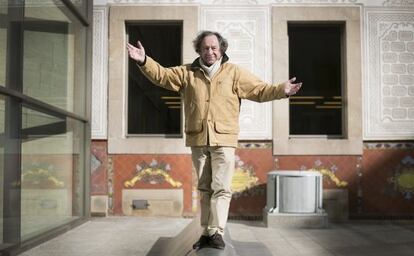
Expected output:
(210, 50)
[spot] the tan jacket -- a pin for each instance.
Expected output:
(211, 106)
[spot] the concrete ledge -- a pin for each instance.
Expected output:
(289, 220)
(181, 244)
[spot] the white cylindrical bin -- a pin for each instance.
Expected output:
(294, 192)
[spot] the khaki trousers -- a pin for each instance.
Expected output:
(215, 169)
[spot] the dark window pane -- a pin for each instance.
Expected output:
(151, 109)
(315, 59)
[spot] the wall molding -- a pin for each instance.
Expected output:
(100, 73)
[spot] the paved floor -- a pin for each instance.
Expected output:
(125, 236)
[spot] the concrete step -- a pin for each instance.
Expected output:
(181, 244)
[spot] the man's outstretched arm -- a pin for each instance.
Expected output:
(249, 86)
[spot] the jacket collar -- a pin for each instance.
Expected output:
(196, 62)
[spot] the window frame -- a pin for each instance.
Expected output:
(351, 141)
(119, 141)
(181, 121)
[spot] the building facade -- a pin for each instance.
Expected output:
(353, 120)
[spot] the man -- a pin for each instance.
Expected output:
(212, 90)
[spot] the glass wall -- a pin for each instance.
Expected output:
(80, 4)
(3, 43)
(51, 182)
(44, 55)
(50, 60)
(2, 106)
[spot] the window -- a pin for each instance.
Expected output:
(338, 87)
(153, 110)
(315, 58)
(120, 140)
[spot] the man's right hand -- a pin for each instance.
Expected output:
(136, 53)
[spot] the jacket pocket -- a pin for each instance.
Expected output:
(226, 127)
(194, 127)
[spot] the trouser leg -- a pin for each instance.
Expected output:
(202, 164)
(215, 169)
(222, 165)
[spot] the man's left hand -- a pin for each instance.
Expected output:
(290, 87)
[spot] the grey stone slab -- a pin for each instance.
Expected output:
(137, 236)
(292, 233)
(110, 236)
(378, 249)
(251, 249)
(307, 246)
(393, 236)
(317, 220)
(283, 249)
(215, 252)
(243, 235)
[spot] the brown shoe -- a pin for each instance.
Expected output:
(216, 241)
(202, 242)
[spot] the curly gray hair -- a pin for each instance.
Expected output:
(201, 35)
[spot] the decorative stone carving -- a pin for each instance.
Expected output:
(399, 3)
(389, 101)
(316, 1)
(248, 32)
(99, 73)
(230, 2)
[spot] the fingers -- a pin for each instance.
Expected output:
(298, 85)
(293, 79)
(130, 47)
(294, 88)
(139, 46)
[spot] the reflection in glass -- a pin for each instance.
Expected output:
(54, 58)
(51, 163)
(80, 5)
(2, 116)
(3, 43)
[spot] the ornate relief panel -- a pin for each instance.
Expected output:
(248, 33)
(401, 3)
(388, 3)
(389, 74)
(232, 2)
(99, 73)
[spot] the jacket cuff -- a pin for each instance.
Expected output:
(143, 63)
